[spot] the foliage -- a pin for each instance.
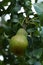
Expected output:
(34, 27)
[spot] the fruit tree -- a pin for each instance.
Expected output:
(21, 32)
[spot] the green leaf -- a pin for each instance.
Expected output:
(42, 62)
(5, 2)
(30, 30)
(16, 8)
(39, 9)
(31, 61)
(37, 53)
(37, 63)
(41, 33)
(1, 63)
(15, 19)
(27, 3)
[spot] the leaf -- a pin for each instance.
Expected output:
(41, 33)
(37, 53)
(5, 2)
(31, 61)
(27, 3)
(37, 63)
(30, 30)
(1, 63)
(16, 8)
(15, 19)
(39, 9)
(42, 62)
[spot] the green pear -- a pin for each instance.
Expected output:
(22, 31)
(18, 44)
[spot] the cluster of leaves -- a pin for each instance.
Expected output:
(34, 27)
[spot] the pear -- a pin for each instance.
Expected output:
(19, 42)
(22, 31)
